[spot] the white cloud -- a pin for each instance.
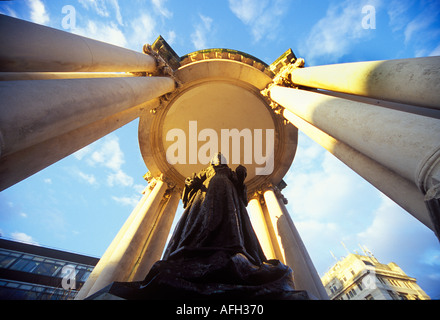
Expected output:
(202, 30)
(395, 236)
(82, 152)
(99, 6)
(23, 237)
(262, 16)
(159, 6)
(118, 14)
(144, 31)
(423, 31)
(397, 10)
(393, 225)
(89, 178)
(171, 37)
(435, 52)
(325, 188)
(334, 35)
(420, 23)
(109, 154)
(106, 32)
(38, 12)
(127, 201)
(119, 178)
(105, 153)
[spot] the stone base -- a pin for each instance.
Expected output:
(134, 291)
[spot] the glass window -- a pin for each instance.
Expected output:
(38, 259)
(368, 263)
(6, 261)
(30, 266)
(45, 268)
(19, 264)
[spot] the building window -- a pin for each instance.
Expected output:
(368, 263)
(402, 296)
(14, 290)
(381, 280)
(393, 295)
(350, 294)
(369, 297)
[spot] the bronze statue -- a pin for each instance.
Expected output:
(214, 252)
(215, 214)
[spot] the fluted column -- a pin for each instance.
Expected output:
(127, 252)
(293, 251)
(259, 224)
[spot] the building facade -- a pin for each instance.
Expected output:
(363, 277)
(30, 272)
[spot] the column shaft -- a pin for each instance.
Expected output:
(292, 248)
(406, 143)
(399, 189)
(30, 47)
(14, 76)
(26, 162)
(155, 243)
(259, 224)
(36, 110)
(84, 292)
(129, 248)
(412, 81)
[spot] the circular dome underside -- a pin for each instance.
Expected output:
(218, 108)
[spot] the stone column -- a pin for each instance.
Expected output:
(259, 224)
(84, 292)
(293, 251)
(32, 47)
(408, 144)
(36, 110)
(404, 192)
(158, 236)
(14, 76)
(414, 81)
(26, 162)
(129, 248)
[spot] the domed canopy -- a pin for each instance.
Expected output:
(218, 107)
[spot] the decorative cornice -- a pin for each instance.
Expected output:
(282, 78)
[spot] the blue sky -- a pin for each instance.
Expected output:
(79, 203)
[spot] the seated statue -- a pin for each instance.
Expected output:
(214, 252)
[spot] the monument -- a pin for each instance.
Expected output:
(381, 118)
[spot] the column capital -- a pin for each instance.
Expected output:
(270, 186)
(282, 78)
(163, 69)
(161, 177)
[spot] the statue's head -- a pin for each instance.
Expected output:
(218, 159)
